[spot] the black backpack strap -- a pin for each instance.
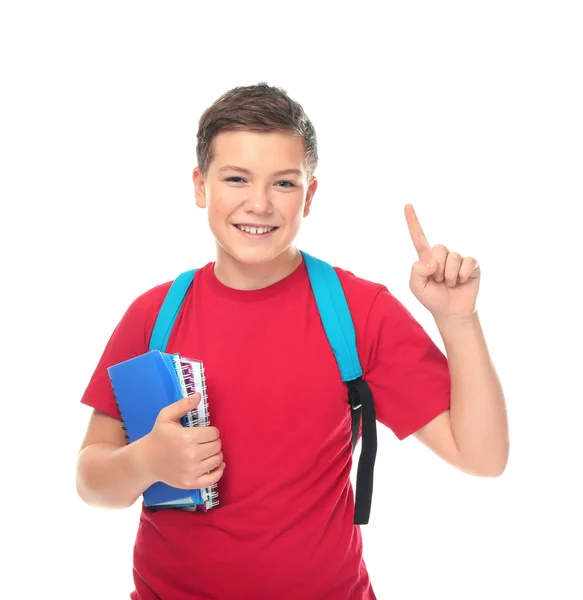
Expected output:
(337, 322)
(361, 404)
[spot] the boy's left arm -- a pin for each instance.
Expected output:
(473, 434)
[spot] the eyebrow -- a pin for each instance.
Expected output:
(247, 172)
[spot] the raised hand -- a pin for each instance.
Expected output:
(445, 282)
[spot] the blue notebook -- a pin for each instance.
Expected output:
(143, 386)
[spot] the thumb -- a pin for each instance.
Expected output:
(175, 411)
(421, 272)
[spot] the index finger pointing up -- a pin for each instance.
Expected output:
(416, 231)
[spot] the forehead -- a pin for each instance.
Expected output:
(258, 151)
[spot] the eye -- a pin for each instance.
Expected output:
(232, 179)
(289, 184)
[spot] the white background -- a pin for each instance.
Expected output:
(472, 111)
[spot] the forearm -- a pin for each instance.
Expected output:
(478, 410)
(112, 477)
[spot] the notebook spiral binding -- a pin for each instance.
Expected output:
(191, 381)
(124, 428)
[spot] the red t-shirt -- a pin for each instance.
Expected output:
(284, 529)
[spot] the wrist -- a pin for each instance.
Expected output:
(138, 456)
(449, 321)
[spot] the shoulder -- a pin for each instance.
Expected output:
(145, 307)
(375, 310)
(152, 298)
(364, 294)
(150, 301)
(353, 283)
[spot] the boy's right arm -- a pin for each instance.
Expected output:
(110, 472)
(113, 474)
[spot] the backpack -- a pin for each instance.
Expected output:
(339, 328)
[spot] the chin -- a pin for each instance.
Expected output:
(253, 252)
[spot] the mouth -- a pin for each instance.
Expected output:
(256, 231)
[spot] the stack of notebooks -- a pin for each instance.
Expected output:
(143, 386)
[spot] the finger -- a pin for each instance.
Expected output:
(452, 268)
(420, 273)
(206, 434)
(469, 268)
(177, 410)
(209, 479)
(210, 449)
(439, 253)
(210, 464)
(417, 235)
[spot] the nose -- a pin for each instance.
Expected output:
(258, 201)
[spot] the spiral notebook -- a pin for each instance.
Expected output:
(143, 386)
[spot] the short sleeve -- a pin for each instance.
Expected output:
(407, 373)
(130, 338)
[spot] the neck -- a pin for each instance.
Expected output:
(240, 276)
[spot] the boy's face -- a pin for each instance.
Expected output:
(256, 194)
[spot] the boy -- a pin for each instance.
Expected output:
(284, 529)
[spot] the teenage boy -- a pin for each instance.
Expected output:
(284, 529)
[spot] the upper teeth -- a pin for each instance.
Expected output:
(255, 229)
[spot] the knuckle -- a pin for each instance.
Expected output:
(189, 454)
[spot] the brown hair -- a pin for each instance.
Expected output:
(255, 108)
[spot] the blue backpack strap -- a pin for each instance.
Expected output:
(170, 309)
(339, 328)
(335, 316)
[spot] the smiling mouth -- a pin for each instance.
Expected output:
(258, 231)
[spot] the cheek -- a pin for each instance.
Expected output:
(217, 219)
(220, 206)
(293, 212)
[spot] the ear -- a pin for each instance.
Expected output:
(309, 196)
(199, 189)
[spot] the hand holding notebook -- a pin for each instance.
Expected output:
(162, 399)
(183, 457)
